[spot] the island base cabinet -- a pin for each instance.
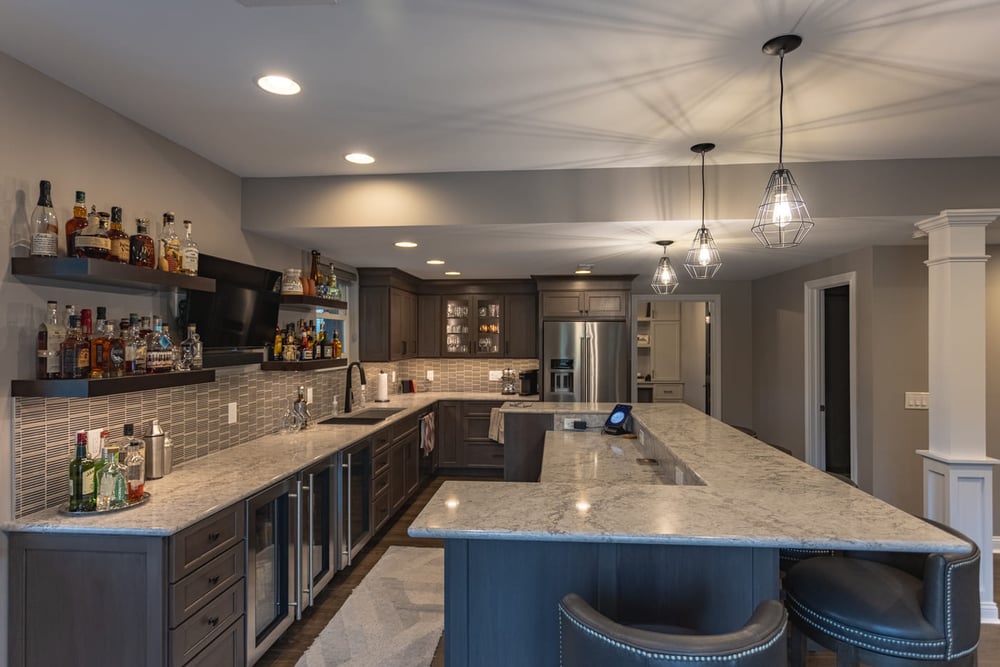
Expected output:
(498, 589)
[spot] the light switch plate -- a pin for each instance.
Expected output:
(495, 376)
(917, 400)
(309, 394)
(232, 413)
(430, 376)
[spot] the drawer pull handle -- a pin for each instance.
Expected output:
(214, 536)
(213, 580)
(213, 621)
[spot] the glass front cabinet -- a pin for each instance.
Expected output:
(473, 326)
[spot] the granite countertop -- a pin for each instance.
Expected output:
(738, 491)
(199, 488)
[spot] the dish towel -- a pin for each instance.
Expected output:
(427, 433)
(496, 425)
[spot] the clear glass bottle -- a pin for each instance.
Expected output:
(170, 245)
(141, 249)
(112, 491)
(51, 334)
(75, 352)
(93, 242)
(135, 465)
(159, 349)
(191, 351)
(81, 477)
(44, 224)
(189, 252)
(77, 223)
(119, 239)
(100, 346)
(135, 348)
(116, 352)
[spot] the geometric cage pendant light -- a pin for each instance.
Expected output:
(703, 260)
(782, 218)
(665, 276)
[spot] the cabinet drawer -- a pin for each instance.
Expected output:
(193, 547)
(380, 510)
(195, 590)
(668, 392)
(482, 455)
(380, 463)
(381, 482)
(403, 428)
(381, 441)
(194, 634)
(227, 650)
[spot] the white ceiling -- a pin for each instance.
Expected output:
(482, 85)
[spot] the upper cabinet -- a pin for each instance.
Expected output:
(573, 297)
(387, 315)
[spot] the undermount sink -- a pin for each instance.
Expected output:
(366, 416)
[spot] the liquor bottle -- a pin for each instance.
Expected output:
(77, 223)
(112, 491)
(70, 312)
(159, 349)
(278, 340)
(135, 348)
(189, 252)
(86, 323)
(141, 251)
(44, 224)
(99, 461)
(191, 351)
(170, 245)
(135, 466)
(81, 477)
(319, 347)
(51, 334)
(100, 347)
(75, 352)
(116, 353)
(119, 239)
(338, 347)
(93, 242)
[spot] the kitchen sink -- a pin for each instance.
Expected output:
(366, 416)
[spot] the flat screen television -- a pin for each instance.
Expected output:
(242, 312)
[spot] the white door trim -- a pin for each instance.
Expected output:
(716, 342)
(814, 422)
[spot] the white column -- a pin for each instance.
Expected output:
(958, 476)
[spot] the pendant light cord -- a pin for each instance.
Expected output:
(781, 108)
(703, 190)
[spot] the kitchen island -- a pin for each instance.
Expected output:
(693, 544)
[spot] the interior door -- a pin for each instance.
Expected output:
(836, 406)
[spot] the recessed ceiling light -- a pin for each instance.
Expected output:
(279, 85)
(584, 268)
(359, 158)
(435, 261)
(405, 244)
(452, 273)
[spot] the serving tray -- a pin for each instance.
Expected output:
(64, 508)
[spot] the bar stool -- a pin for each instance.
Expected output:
(887, 609)
(589, 639)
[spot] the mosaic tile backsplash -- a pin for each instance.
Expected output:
(195, 417)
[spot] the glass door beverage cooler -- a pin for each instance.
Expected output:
(273, 554)
(319, 535)
(355, 500)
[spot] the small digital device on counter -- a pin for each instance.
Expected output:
(619, 422)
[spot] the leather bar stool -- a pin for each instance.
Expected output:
(590, 639)
(887, 609)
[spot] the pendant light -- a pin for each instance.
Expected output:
(782, 219)
(664, 278)
(703, 260)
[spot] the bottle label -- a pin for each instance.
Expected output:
(44, 244)
(83, 358)
(189, 261)
(120, 249)
(98, 242)
(87, 483)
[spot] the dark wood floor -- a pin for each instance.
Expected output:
(290, 647)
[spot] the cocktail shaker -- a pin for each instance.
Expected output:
(155, 454)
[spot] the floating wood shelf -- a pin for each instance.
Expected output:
(107, 386)
(300, 302)
(315, 364)
(102, 272)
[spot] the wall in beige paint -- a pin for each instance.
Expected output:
(993, 372)
(693, 353)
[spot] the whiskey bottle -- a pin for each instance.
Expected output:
(75, 352)
(81, 477)
(93, 242)
(135, 466)
(170, 245)
(77, 223)
(100, 347)
(189, 252)
(119, 239)
(141, 251)
(51, 334)
(44, 224)
(116, 354)
(338, 347)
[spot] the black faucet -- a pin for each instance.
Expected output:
(347, 397)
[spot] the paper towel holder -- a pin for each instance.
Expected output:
(382, 388)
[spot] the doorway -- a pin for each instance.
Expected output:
(830, 403)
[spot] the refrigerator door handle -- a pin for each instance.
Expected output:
(584, 377)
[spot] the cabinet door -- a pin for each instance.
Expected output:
(666, 310)
(428, 325)
(410, 327)
(480, 451)
(397, 483)
(373, 323)
(489, 311)
(521, 337)
(612, 303)
(411, 463)
(448, 434)
(397, 335)
(459, 326)
(562, 304)
(666, 350)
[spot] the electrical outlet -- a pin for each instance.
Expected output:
(495, 376)
(309, 394)
(232, 413)
(430, 376)
(568, 423)
(916, 400)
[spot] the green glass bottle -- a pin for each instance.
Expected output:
(81, 477)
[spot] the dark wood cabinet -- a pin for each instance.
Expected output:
(428, 325)
(463, 435)
(387, 315)
(594, 298)
(521, 330)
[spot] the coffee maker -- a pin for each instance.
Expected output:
(528, 382)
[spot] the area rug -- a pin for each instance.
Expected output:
(394, 618)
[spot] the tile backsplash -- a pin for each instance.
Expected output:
(195, 417)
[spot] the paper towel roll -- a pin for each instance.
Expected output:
(382, 389)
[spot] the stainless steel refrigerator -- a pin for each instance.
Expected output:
(585, 362)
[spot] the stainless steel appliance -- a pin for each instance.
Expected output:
(528, 382)
(585, 362)
(355, 509)
(319, 552)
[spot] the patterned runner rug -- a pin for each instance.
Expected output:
(394, 618)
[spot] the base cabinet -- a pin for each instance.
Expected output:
(463, 435)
